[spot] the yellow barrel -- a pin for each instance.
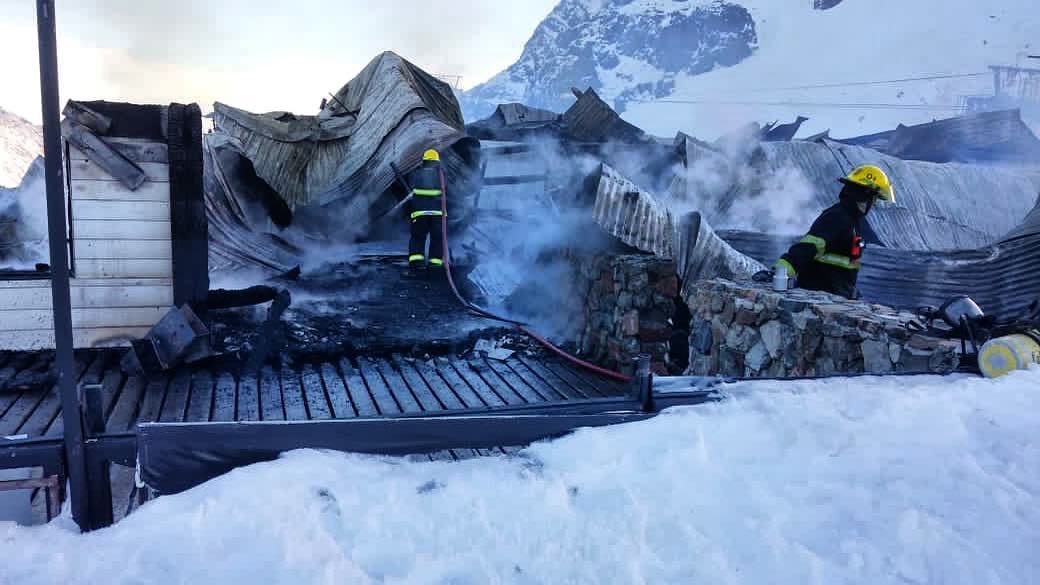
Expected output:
(1004, 354)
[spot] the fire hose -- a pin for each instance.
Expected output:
(489, 315)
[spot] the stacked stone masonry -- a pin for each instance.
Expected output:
(629, 306)
(747, 329)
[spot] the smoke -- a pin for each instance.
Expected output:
(736, 186)
(527, 235)
(23, 222)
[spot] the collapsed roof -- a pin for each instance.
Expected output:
(334, 171)
(589, 119)
(391, 112)
(999, 136)
(1003, 278)
(939, 206)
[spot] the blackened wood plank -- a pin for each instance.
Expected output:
(359, 393)
(403, 393)
(574, 380)
(92, 120)
(15, 402)
(248, 398)
(114, 163)
(292, 394)
(20, 411)
(46, 411)
(314, 390)
(380, 392)
(428, 375)
(553, 379)
(17, 363)
(270, 395)
(525, 390)
(419, 388)
(224, 398)
(336, 390)
(124, 415)
(477, 373)
(200, 402)
(543, 387)
(154, 396)
(87, 368)
(467, 385)
(604, 385)
(111, 384)
(176, 403)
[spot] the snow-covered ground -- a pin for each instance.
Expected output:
(854, 42)
(866, 480)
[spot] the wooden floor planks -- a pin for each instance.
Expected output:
(346, 388)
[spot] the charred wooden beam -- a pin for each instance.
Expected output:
(514, 179)
(225, 299)
(123, 169)
(81, 114)
(507, 149)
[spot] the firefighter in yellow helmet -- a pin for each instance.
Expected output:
(426, 211)
(828, 257)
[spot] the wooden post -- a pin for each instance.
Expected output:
(93, 417)
(188, 223)
(643, 383)
(59, 252)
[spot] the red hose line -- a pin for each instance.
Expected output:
(487, 314)
(574, 360)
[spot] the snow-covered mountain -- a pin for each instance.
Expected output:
(20, 143)
(708, 66)
(624, 49)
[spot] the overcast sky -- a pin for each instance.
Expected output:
(259, 55)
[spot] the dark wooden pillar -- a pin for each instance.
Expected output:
(56, 231)
(189, 226)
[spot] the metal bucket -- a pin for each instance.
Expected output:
(1002, 355)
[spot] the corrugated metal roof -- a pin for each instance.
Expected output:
(1003, 278)
(390, 112)
(702, 254)
(939, 206)
(590, 119)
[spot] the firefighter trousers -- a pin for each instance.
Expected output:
(422, 227)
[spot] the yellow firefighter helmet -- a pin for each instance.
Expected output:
(872, 178)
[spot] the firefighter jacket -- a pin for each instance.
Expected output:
(426, 190)
(828, 257)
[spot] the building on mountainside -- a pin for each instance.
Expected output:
(1013, 88)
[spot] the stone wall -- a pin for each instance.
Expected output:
(747, 329)
(629, 302)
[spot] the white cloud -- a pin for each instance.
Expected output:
(258, 55)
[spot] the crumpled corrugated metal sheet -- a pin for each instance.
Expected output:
(391, 112)
(701, 254)
(236, 238)
(633, 215)
(639, 219)
(1003, 278)
(939, 206)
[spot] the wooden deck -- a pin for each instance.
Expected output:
(350, 387)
